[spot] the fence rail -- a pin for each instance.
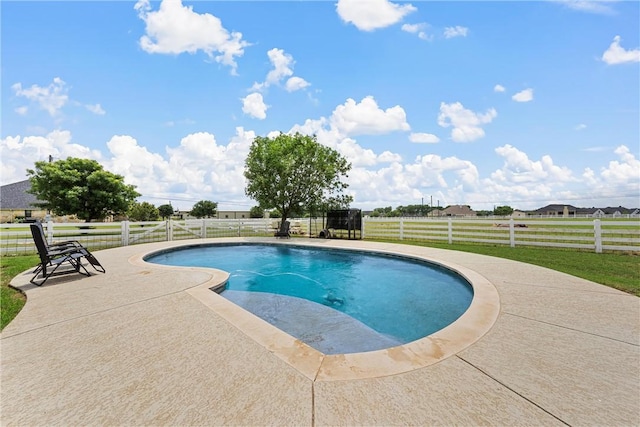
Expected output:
(596, 235)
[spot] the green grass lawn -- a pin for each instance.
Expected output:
(617, 270)
(12, 300)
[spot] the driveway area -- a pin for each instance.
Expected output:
(148, 345)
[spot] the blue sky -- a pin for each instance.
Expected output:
(478, 103)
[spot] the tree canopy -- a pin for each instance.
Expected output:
(204, 209)
(80, 187)
(409, 210)
(503, 211)
(294, 173)
(256, 212)
(165, 210)
(144, 211)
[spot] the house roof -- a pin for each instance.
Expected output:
(555, 208)
(15, 196)
(458, 210)
(572, 209)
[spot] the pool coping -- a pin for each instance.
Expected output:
(474, 323)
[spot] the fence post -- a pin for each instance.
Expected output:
(450, 230)
(239, 227)
(597, 231)
(362, 224)
(170, 230)
(50, 232)
(401, 229)
(203, 228)
(124, 232)
(512, 233)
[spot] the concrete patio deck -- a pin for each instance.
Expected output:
(139, 346)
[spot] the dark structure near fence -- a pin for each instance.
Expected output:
(349, 220)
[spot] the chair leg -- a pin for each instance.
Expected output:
(43, 270)
(76, 263)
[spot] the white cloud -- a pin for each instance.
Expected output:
(199, 167)
(389, 157)
(20, 153)
(431, 170)
(254, 105)
(350, 119)
(581, 126)
(50, 98)
(423, 138)
(413, 28)
(525, 95)
(369, 15)
(524, 183)
(465, 123)
(296, 83)
(590, 6)
(499, 88)
(626, 170)
(175, 29)
(616, 54)
(282, 68)
(357, 155)
(282, 63)
(618, 182)
(457, 31)
(22, 110)
(518, 168)
(96, 109)
(366, 118)
(418, 29)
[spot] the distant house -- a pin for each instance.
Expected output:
(617, 212)
(458, 210)
(233, 214)
(556, 210)
(570, 211)
(16, 204)
(518, 214)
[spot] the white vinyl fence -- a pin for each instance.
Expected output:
(584, 234)
(596, 235)
(17, 239)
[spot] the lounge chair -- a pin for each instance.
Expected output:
(53, 258)
(57, 245)
(283, 232)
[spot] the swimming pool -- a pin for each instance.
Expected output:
(350, 300)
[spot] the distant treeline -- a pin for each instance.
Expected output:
(426, 210)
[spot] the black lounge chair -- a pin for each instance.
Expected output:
(55, 257)
(283, 232)
(57, 245)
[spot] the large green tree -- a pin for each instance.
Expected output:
(80, 187)
(165, 210)
(503, 211)
(204, 209)
(294, 173)
(144, 211)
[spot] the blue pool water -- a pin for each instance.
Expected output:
(395, 299)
